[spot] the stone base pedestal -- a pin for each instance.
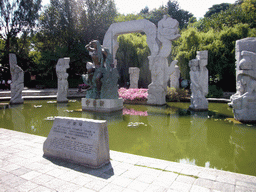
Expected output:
(102, 105)
(198, 104)
(62, 100)
(246, 115)
(16, 101)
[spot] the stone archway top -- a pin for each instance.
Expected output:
(142, 25)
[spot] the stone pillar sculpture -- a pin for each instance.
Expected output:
(158, 64)
(174, 78)
(134, 76)
(17, 80)
(61, 67)
(244, 100)
(199, 81)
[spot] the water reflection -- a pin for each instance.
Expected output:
(169, 132)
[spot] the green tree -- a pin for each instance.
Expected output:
(145, 10)
(221, 51)
(179, 14)
(132, 52)
(128, 17)
(156, 14)
(237, 13)
(17, 16)
(217, 9)
(67, 26)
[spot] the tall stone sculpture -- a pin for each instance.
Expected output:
(158, 64)
(199, 81)
(102, 77)
(134, 76)
(244, 100)
(61, 67)
(159, 42)
(174, 78)
(17, 80)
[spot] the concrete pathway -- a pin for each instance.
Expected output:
(23, 168)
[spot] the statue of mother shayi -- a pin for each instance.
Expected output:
(101, 75)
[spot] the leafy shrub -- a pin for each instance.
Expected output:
(174, 94)
(73, 83)
(42, 84)
(215, 92)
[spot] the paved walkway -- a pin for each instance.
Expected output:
(23, 168)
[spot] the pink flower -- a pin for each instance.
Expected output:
(133, 94)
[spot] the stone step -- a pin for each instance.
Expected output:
(43, 92)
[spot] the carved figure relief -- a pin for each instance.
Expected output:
(199, 81)
(244, 100)
(61, 67)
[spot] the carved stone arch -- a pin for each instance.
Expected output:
(159, 42)
(142, 25)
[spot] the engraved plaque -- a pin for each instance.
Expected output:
(79, 140)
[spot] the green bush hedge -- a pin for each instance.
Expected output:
(215, 92)
(174, 94)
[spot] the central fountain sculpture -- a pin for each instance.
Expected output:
(102, 77)
(159, 41)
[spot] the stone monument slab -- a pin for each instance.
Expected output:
(79, 140)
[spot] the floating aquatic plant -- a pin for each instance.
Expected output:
(51, 101)
(69, 111)
(51, 118)
(37, 106)
(136, 124)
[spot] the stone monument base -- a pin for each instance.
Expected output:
(199, 104)
(102, 105)
(16, 101)
(246, 115)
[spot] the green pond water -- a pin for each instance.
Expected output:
(208, 139)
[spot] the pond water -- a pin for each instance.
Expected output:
(208, 139)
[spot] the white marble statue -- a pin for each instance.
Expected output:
(168, 31)
(174, 78)
(199, 81)
(159, 43)
(244, 100)
(17, 80)
(61, 67)
(134, 76)
(158, 64)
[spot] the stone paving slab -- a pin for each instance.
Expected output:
(23, 168)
